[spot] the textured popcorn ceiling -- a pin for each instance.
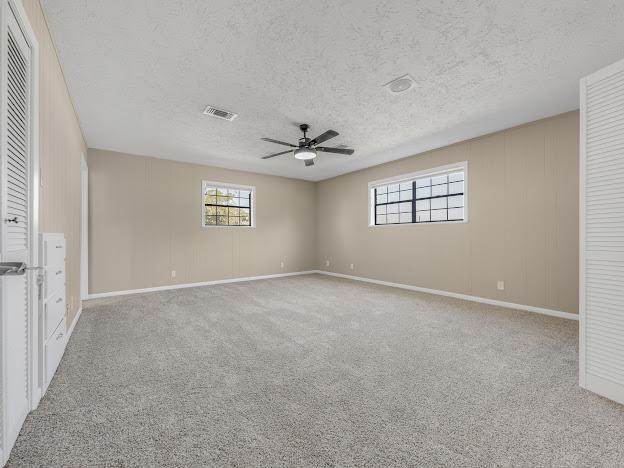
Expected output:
(141, 71)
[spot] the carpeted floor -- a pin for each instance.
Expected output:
(314, 370)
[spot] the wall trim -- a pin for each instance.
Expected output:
(483, 300)
(194, 285)
(70, 330)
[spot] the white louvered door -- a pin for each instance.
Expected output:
(602, 233)
(15, 224)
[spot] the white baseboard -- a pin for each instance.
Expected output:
(194, 285)
(483, 300)
(70, 330)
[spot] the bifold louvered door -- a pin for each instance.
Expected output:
(602, 233)
(15, 223)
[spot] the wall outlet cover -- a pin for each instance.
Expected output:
(326, 262)
(500, 285)
(173, 273)
(351, 267)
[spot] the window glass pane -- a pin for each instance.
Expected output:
(381, 209)
(393, 188)
(211, 210)
(393, 197)
(381, 190)
(221, 192)
(245, 221)
(243, 201)
(244, 193)
(456, 201)
(393, 218)
(424, 192)
(406, 194)
(233, 221)
(456, 187)
(437, 180)
(406, 186)
(222, 220)
(422, 205)
(394, 208)
(234, 212)
(234, 201)
(233, 193)
(456, 176)
(211, 191)
(381, 219)
(455, 213)
(423, 182)
(405, 217)
(211, 220)
(382, 199)
(222, 211)
(405, 207)
(437, 203)
(438, 190)
(422, 216)
(438, 215)
(221, 200)
(244, 211)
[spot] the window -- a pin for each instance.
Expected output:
(227, 205)
(433, 196)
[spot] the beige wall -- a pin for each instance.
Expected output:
(522, 228)
(60, 147)
(145, 220)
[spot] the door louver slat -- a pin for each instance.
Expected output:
(17, 132)
(602, 233)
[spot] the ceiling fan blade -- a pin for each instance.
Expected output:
(324, 137)
(309, 162)
(276, 154)
(335, 150)
(271, 140)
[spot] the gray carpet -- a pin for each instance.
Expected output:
(313, 370)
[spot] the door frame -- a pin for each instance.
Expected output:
(84, 228)
(34, 390)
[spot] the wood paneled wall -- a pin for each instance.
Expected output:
(522, 227)
(61, 144)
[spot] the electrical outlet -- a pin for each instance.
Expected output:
(282, 264)
(500, 285)
(326, 262)
(351, 266)
(173, 273)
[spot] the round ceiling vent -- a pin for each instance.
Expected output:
(400, 85)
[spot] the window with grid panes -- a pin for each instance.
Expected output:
(428, 197)
(227, 205)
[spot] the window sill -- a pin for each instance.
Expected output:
(435, 223)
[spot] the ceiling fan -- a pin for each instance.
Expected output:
(307, 149)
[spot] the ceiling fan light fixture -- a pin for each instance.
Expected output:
(305, 153)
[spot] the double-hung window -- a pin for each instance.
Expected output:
(431, 196)
(227, 205)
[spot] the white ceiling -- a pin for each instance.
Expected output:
(140, 73)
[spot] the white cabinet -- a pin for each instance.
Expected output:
(52, 304)
(601, 233)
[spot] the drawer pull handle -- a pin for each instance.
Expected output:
(59, 272)
(59, 246)
(59, 300)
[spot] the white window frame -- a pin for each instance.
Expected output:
(252, 204)
(460, 166)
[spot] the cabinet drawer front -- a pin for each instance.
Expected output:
(54, 350)
(54, 252)
(54, 312)
(54, 281)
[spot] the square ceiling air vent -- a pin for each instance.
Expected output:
(220, 113)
